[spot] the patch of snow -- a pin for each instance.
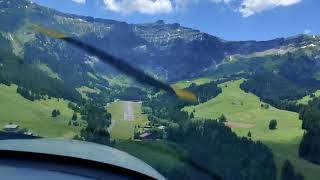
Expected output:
(142, 48)
(10, 36)
(91, 60)
(310, 45)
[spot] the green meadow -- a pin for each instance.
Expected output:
(36, 115)
(83, 90)
(186, 83)
(244, 114)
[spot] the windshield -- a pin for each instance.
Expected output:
(211, 89)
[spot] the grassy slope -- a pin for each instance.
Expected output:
(119, 80)
(83, 90)
(44, 68)
(306, 99)
(125, 129)
(284, 141)
(36, 115)
(186, 83)
(157, 154)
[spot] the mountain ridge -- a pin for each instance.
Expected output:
(169, 51)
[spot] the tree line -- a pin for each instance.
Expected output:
(275, 90)
(98, 121)
(309, 148)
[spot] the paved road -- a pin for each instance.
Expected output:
(128, 111)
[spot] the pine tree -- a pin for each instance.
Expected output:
(54, 113)
(222, 118)
(191, 115)
(74, 117)
(287, 171)
(273, 124)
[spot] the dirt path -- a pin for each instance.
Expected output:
(128, 111)
(239, 125)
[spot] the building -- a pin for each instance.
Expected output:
(11, 127)
(147, 126)
(28, 133)
(161, 127)
(145, 136)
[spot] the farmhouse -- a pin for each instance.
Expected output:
(29, 133)
(147, 126)
(145, 136)
(11, 127)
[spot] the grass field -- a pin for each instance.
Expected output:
(119, 80)
(45, 68)
(245, 114)
(83, 90)
(125, 129)
(35, 116)
(186, 83)
(306, 99)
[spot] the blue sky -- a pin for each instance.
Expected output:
(227, 19)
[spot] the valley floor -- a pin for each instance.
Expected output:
(244, 114)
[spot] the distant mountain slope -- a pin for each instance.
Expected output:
(169, 51)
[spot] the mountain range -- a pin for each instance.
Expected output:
(168, 51)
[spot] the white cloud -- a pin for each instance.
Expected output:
(80, 1)
(183, 4)
(141, 6)
(220, 1)
(250, 7)
(247, 7)
(307, 31)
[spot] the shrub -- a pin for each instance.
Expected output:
(273, 124)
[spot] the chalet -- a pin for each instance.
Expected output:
(145, 136)
(29, 133)
(11, 127)
(147, 126)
